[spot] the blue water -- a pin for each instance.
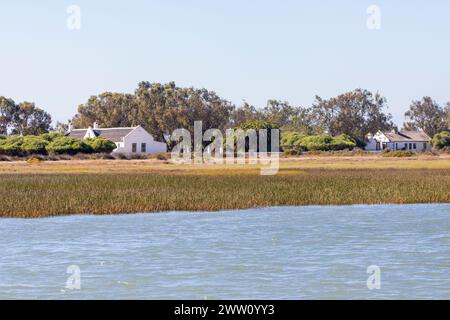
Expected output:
(274, 253)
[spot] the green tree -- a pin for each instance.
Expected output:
(427, 115)
(109, 109)
(354, 113)
(245, 113)
(8, 109)
(30, 120)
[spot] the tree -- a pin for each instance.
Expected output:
(30, 120)
(159, 108)
(109, 109)
(24, 118)
(426, 115)
(8, 109)
(245, 113)
(164, 108)
(354, 113)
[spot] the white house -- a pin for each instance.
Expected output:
(127, 140)
(399, 140)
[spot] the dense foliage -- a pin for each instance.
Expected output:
(52, 143)
(23, 118)
(295, 141)
(101, 145)
(21, 146)
(441, 140)
(428, 115)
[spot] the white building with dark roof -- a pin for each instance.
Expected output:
(127, 139)
(399, 140)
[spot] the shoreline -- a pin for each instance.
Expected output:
(225, 211)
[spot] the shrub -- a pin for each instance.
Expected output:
(342, 142)
(121, 156)
(68, 145)
(101, 145)
(138, 156)
(50, 136)
(441, 140)
(2, 137)
(399, 154)
(34, 145)
(159, 156)
(295, 141)
(34, 160)
(11, 146)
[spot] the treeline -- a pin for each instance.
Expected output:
(52, 143)
(162, 108)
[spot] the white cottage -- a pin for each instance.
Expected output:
(127, 139)
(399, 140)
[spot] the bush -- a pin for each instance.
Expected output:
(295, 141)
(34, 145)
(11, 146)
(101, 145)
(51, 136)
(441, 140)
(398, 154)
(22, 146)
(34, 160)
(159, 156)
(121, 156)
(68, 145)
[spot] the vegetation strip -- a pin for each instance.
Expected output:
(42, 195)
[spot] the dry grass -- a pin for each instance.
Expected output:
(40, 195)
(40, 189)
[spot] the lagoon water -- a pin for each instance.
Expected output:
(272, 253)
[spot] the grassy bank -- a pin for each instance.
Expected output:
(42, 193)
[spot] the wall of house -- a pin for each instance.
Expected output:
(139, 136)
(419, 146)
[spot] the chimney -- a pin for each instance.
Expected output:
(96, 125)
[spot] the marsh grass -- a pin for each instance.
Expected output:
(41, 195)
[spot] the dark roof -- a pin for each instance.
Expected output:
(401, 136)
(113, 134)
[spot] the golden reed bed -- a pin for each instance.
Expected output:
(106, 187)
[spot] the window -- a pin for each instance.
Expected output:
(414, 146)
(133, 147)
(410, 146)
(396, 146)
(424, 146)
(143, 147)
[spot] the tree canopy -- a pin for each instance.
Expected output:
(427, 115)
(23, 118)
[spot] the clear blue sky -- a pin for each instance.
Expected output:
(252, 50)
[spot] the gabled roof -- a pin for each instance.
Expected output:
(113, 134)
(402, 136)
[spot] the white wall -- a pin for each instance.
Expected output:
(139, 136)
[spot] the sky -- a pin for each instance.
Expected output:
(243, 50)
